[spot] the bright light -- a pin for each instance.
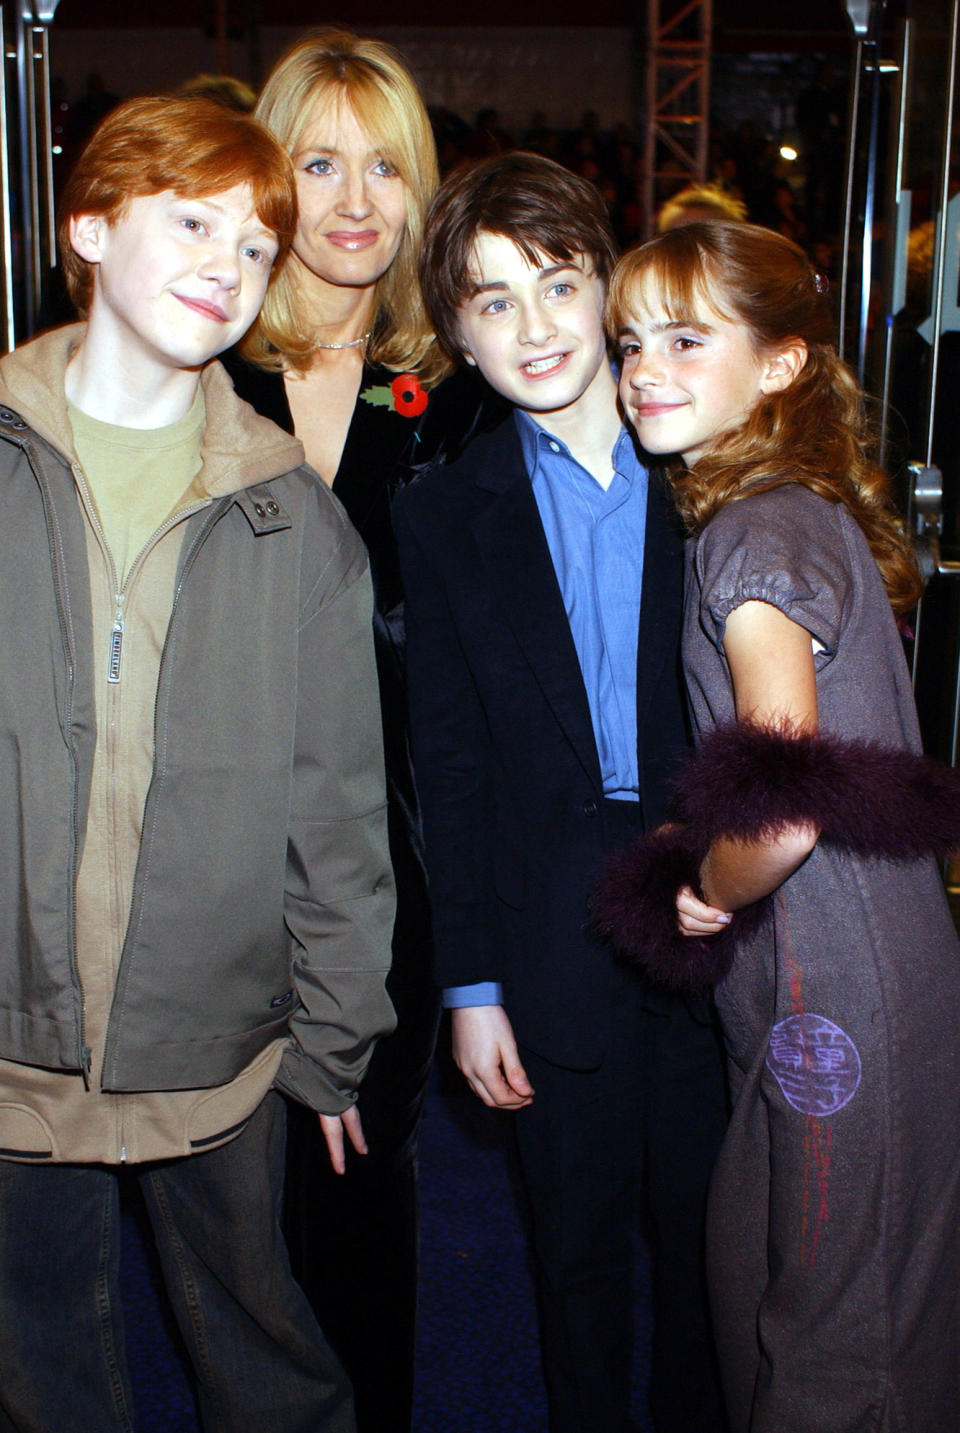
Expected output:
(787, 151)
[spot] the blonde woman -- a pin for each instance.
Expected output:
(344, 356)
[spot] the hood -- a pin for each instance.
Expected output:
(239, 448)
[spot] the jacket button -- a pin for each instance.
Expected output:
(272, 508)
(259, 510)
(589, 807)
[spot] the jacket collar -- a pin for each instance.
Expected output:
(239, 448)
(510, 536)
(494, 460)
(512, 541)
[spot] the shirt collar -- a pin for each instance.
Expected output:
(534, 440)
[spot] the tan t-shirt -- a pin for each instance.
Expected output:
(165, 460)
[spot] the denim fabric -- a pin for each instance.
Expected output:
(257, 1351)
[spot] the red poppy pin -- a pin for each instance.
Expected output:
(405, 395)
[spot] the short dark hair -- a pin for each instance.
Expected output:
(542, 207)
(190, 145)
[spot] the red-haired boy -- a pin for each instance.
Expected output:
(195, 901)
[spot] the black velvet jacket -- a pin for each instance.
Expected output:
(392, 436)
(517, 825)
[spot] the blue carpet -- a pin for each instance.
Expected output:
(478, 1364)
(478, 1367)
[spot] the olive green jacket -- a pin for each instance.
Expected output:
(263, 899)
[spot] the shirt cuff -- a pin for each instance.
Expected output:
(486, 992)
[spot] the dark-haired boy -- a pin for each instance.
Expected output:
(195, 897)
(545, 734)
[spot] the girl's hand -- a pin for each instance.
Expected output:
(696, 918)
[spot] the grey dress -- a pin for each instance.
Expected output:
(833, 1231)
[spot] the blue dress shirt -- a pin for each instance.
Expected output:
(596, 537)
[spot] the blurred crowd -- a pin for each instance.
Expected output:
(749, 178)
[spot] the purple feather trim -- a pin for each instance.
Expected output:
(746, 781)
(634, 907)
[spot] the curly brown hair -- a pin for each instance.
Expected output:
(817, 430)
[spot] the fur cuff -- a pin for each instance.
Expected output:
(746, 781)
(634, 907)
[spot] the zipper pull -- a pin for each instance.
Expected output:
(116, 644)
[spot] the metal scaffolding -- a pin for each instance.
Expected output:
(677, 97)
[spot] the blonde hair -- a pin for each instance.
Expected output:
(711, 197)
(332, 66)
(816, 431)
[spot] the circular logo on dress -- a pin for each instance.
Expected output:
(816, 1064)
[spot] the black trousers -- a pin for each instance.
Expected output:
(630, 1143)
(353, 1238)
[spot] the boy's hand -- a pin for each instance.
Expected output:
(485, 1053)
(333, 1127)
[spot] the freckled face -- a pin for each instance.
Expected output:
(684, 383)
(353, 203)
(535, 331)
(176, 279)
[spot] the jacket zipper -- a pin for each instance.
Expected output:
(113, 665)
(220, 506)
(113, 675)
(55, 547)
(115, 651)
(116, 643)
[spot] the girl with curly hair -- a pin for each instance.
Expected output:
(801, 876)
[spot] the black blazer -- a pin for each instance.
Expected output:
(384, 449)
(504, 749)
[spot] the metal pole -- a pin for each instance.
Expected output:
(941, 245)
(34, 147)
(6, 218)
(848, 205)
(900, 236)
(26, 105)
(41, 38)
(870, 198)
(650, 134)
(703, 135)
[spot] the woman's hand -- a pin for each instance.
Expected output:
(696, 918)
